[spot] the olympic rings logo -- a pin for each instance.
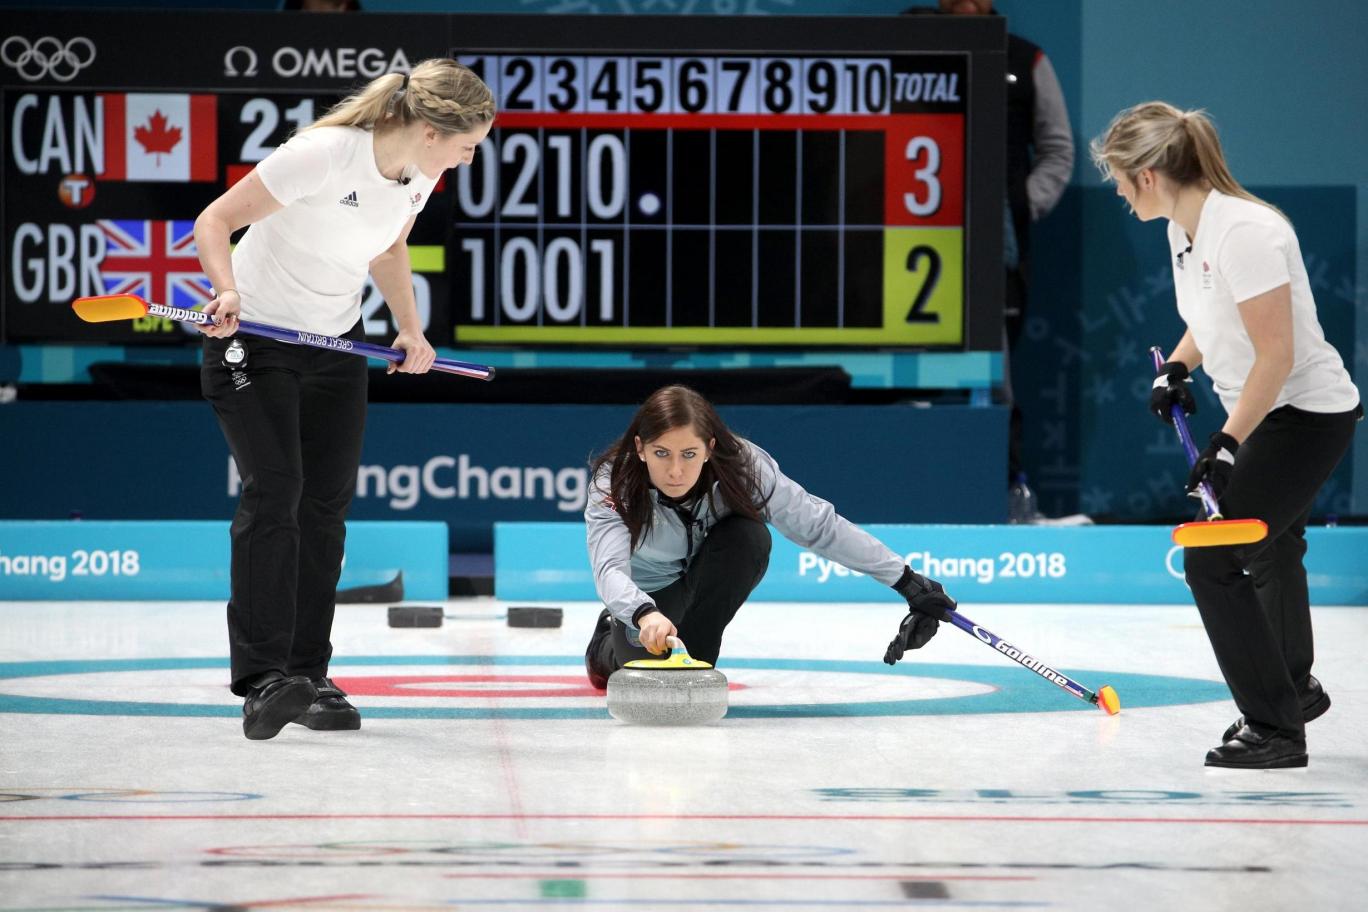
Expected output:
(47, 57)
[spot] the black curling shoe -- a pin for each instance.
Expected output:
(330, 711)
(1256, 747)
(272, 702)
(1314, 703)
(598, 676)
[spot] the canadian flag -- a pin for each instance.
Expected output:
(160, 137)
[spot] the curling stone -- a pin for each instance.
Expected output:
(415, 615)
(531, 616)
(676, 690)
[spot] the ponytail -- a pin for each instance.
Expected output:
(1181, 145)
(366, 108)
(1206, 147)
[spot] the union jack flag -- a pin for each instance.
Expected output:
(156, 260)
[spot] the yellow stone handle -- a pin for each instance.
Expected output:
(678, 658)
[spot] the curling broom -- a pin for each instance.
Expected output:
(1104, 698)
(108, 308)
(1215, 530)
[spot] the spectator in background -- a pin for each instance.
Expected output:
(1040, 158)
(322, 6)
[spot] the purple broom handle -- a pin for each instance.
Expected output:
(1209, 503)
(315, 340)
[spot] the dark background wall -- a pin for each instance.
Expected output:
(1284, 81)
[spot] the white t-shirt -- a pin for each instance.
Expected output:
(1242, 250)
(304, 266)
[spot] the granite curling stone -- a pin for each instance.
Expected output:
(676, 690)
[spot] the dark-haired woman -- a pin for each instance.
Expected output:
(1244, 294)
(677, 538)
(331, 206)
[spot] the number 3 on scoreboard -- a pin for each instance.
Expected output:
(924, 170)
(928, 175)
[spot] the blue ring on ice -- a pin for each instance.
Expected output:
(1016, 690)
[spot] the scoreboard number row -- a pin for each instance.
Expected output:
(550, 285)
(604, 178)
(688, 85)
(530, 280)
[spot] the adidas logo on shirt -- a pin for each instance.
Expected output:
(350, 200)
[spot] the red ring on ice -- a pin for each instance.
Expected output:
(419, 686)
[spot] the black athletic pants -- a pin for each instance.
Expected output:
(730, 564)
(1259, 622)
(293, 417)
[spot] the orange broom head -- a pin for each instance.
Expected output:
(1217, 532)
(1108, 700)
(105, 308)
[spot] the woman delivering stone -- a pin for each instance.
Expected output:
(677, 538)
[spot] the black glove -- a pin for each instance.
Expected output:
(927, 604)
(1214, 465)
(1170, 387)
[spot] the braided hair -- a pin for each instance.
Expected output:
(440, 92)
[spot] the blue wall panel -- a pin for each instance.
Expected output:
(472, 465)
(1022, 564)
(123, 561)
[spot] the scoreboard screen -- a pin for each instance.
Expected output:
(650, 181)
(718, 200)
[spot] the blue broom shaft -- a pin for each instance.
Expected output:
(992, 640)
(316, 340)
(1213, 509)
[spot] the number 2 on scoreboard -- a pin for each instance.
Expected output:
(923, 297)
(915, 257)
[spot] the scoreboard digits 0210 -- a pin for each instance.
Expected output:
(727, 199)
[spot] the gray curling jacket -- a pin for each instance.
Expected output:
(624, 577)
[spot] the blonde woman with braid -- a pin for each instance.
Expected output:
(333, 204)
(1290, 409)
